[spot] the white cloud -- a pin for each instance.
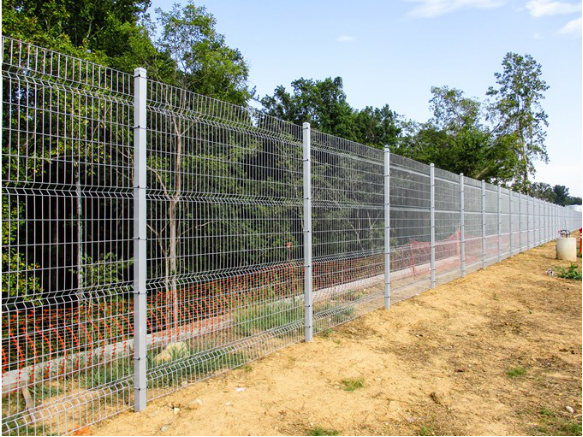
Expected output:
(572, 27)
(434, 8)
(540, 8)
(346, 38)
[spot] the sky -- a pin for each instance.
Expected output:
(393, 52)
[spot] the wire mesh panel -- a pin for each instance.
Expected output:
(473, 223)
(348, 229)
(524, 222)
(67, 241)
(516, 213)
(447, 225)
(225, 255)
(505, 217)
(225, 220)
(491, 223)
(410, 243)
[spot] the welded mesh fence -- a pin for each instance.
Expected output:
(205, 262)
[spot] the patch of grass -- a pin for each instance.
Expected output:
(106, 373)
(516, 372)
(265, 316)
(326, 333)
(337, 313)
(318, 430)
(570, 272)
(552, 423)
(352, 384)
(424, 430)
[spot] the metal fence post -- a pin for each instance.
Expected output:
(140, 236)
(432, 219)
(527, 224)
(308, 300)
(499, 222)
(483, 224)
(462, 226)
(539, 223)
(387, 196)
(510, 223)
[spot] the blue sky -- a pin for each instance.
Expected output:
(394, 51)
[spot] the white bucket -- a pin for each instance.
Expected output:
(567, 248)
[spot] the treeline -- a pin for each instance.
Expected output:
(558, 194)
(497, 139)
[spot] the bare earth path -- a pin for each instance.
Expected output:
(498, 352)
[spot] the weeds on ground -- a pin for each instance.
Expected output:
(352, 384)
(551, 423)
(570, 272)
(264, 316)
(516, 372)
(327, 333)
(318, 430)
(424, 430)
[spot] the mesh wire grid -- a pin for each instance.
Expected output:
(225, 220)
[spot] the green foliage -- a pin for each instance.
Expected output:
(516, 372)
(318, 430)
(204, 63)
(107, 270)
(561, 194)
(517, 111)
(456, 139)
(263, 316)
(552, 423)
(323, 104)
(570, 272)
(352, 384)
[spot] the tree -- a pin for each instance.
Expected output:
(543, 191)
(517, 112)
(561, 194)
(455, 139)
(321, 103)
(377, 127)
(203, 62)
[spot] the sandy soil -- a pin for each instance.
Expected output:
(498, 352)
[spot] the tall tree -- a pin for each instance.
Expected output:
(561, 194)
(319, 102)
(517, 112)
(455, 139)
(203, 61)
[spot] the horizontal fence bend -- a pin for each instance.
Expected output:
(154, 237)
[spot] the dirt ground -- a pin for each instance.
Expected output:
(498, 352)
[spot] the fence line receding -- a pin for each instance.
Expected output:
(153, 237)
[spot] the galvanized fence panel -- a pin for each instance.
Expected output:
(410, 243)
(225, 252)
(153, 237)
(473, 224)
(447, 226)
(348, 229)
(67, 241)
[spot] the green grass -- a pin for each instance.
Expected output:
(570, 272)
(327, 333)
(265, 316)
(516, 372)
(551, 423)
(425, 431)
(352, 384)
(318, 430)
